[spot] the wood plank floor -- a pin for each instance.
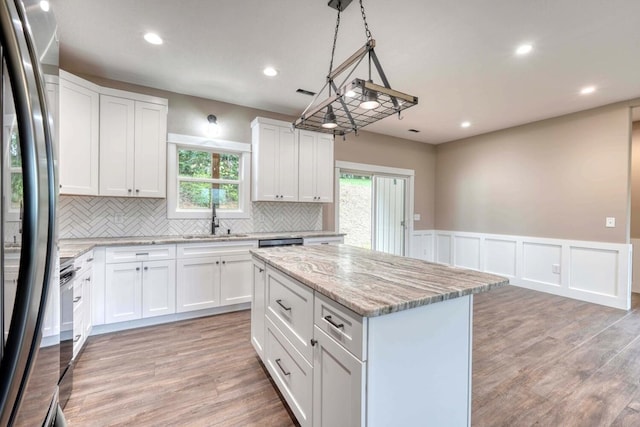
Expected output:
(538, 360)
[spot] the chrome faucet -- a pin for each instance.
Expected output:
(215, 221)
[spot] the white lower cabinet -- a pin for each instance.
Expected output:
(141, 284)
(213, 274)
(338, 381)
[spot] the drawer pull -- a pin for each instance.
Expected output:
(281, 368)
(142, 254)
(279, 301)
(89, 259)
(313, 342)
(261, 270)
(76, 299)
(334, 324)
(78, 268)
(77, 338)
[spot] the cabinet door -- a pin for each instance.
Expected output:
(117, 124)
(158, 288)
(79, 143)
(265, 162)
(307, 166)
(197, 283)
(324, 168)
(150, 150)
(123, 292)
(288, 165)
(258, 307)
(235, 279)
(338, 384)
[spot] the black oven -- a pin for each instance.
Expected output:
(67, 274)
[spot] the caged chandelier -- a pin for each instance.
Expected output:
(353, 104)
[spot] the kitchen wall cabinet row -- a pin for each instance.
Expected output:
(290, 165)
(148, 281)
(112, 142)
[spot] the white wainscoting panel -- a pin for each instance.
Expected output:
(596, 272)
(500, 257)
(467, 252)
(592, 270)
(636, 265)
(537, 262)
(443, 248)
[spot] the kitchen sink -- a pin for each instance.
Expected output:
(212, 236)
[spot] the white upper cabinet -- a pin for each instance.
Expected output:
(315, 176)
(133, 151)
(275, 161)
(79, 135)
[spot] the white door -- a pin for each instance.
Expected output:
(324, 168)
(150, 150)
(307, 166)
(287, 165)
(258, 308)
(87, 290)
(117, 124)
(337, 384)
(197, 283)
(123, 292)
(265, 176)
(158, 288)
(389, 214)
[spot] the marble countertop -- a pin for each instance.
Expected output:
(73, 248)
(374, 283)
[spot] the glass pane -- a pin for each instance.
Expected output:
(14, 148)
(197, 195)
(16, 190)
(204, 164)
(355, 209)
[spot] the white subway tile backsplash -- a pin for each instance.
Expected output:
(80, 217)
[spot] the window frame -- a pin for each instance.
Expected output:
(178, 141)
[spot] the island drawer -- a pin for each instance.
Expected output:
(139, 253)
(290, 307)
(341, 324)
(291, 372)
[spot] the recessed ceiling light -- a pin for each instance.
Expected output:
(153, 38)
(270, 72)
(587, 90)
(44, 5)
(465, 124)
(524, 49)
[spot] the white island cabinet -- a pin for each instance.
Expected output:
(386, 341)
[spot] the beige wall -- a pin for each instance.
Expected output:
(635, 181)
(557, 178)
(382, 150)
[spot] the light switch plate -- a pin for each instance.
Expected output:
(610, 222)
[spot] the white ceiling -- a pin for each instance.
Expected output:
(456, 56)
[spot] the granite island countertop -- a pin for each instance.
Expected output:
(73, 248)
(374, 283)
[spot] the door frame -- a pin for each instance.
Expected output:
(365, 168)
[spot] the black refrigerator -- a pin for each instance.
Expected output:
(29, 293)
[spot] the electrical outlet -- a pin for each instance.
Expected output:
(610, 222)
(118, 218)
(555, 268)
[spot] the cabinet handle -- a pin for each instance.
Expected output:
(217, 262)
(137, 268)
(77, 338)
(313, 342)
(129, 191)
(281, 368)
(76, 299)
(279, 301)
(224, 262)
(146, 268)
(89, 259)
(261, 270)
(78, 268)
(334, 324)
(88, 279)
(137, 191)
(142, 253)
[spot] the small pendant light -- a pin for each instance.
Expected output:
(329, 121)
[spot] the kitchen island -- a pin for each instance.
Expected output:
(354, 337)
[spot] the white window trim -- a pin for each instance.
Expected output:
(176, 141)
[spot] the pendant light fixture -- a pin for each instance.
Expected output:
(353, 103)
